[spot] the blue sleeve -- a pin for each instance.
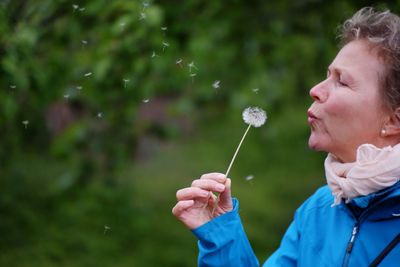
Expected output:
(223, 242)
(287, 254)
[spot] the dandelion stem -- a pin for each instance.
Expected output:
(230, 166)
(237, 150)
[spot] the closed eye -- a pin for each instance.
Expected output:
(341, 83)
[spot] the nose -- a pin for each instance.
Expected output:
(320, 91)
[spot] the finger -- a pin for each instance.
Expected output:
(209, 185)
(191, 193)
(211, 199)
(182, 206)
(216, 176)
(225, 197)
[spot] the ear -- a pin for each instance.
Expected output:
(392, 125)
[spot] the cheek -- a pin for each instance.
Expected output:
(346, 107)
(339, 110)
(348, 118)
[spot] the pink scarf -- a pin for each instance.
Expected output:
(373, 170)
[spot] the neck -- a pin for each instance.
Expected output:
(348, 156)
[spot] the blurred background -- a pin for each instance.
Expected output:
(108, 107)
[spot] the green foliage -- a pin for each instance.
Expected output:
(102, 119)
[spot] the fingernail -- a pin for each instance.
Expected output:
(221, 175)
(220, 187)
(204, 194)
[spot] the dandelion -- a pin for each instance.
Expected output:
(25, 123)
(253, 116)
(153, 55)
(165, 45)
(145, 5)
(75, 7)
(79, 87)
(142, 16)
(99, 115)
(88, 74)
(84, 42)
(191, 65)
(125, 82)
(13, 86)
(255, 90)
(106, 228)
(179, 62)
(249, 177)
(82, 9)
(146, 100)
(193, 75)
(164, 28)
(216, 84)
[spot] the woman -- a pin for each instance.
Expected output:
(355, 117)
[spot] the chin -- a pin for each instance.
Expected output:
(313, 144)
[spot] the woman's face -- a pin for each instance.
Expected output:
(347, 110)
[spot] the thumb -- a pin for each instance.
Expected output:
(225, 197)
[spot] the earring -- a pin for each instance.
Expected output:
(383, 132)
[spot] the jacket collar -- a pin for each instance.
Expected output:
(383, 204)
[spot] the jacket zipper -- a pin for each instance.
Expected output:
(355, 231)
(350, 245)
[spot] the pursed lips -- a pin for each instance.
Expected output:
(311, 117)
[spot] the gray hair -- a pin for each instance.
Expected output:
(381, 29)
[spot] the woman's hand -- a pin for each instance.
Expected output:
(195, 205)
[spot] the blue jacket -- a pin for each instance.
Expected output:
(352, 234)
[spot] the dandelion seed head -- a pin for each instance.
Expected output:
(13, 86)
(79, 87)
(99, 115)
(255, 90)
(84, 42)
(164, 28)
(88, 74)
(82, 9)
(146, 100)
(254, 116)
(75, 7)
